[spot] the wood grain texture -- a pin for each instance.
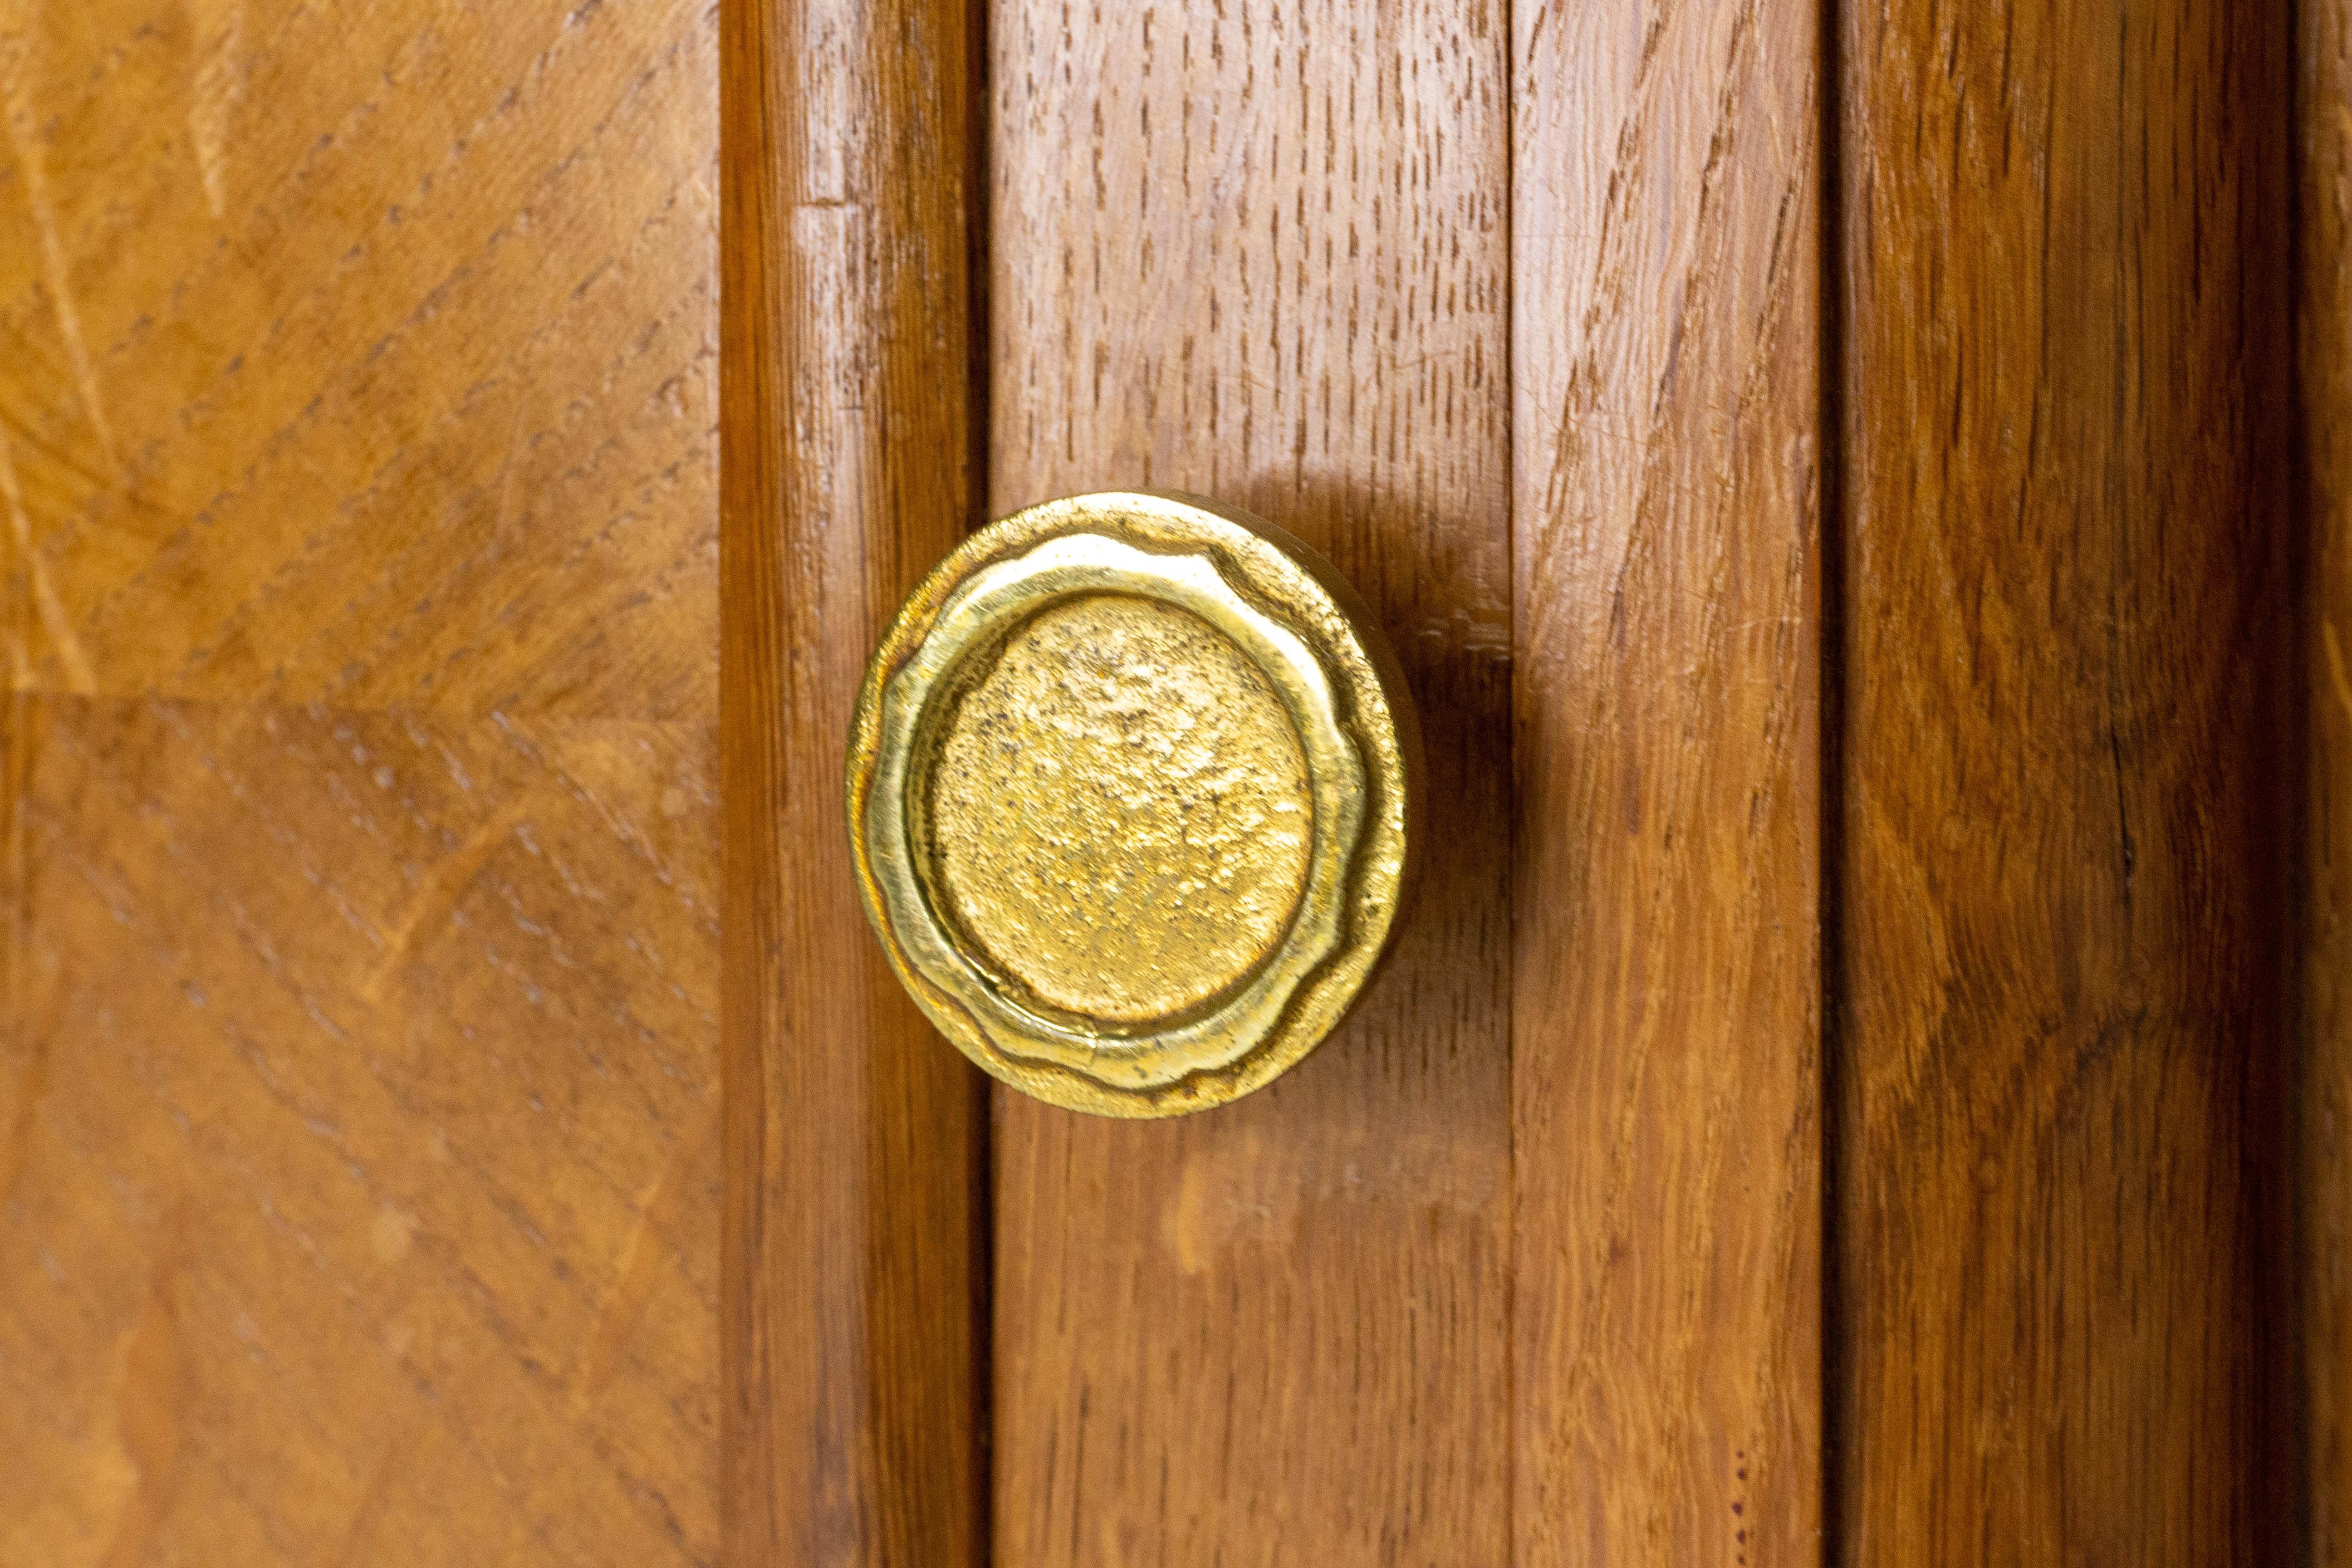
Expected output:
(856, 1200)
(1260, 252)
(1665, 1044)
(2324, 97)
(2068, 778)
(358, 1127)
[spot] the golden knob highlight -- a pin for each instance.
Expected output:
(1134, 786)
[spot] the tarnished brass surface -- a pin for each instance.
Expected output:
(1131, 794)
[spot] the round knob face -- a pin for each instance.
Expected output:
(1133, 787)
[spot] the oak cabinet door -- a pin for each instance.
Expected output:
(1857, 495)
(1829, 473)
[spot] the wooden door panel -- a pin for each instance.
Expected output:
(358, 1152)
(1261, 252)
(1666, 1041)
(2067, 782)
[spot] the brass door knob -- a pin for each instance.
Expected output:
(1134, 787)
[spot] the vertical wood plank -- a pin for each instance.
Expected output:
(2324, 57)
(856, 1187)
(1666, 1030)
(2068, 778)
(1259, 251)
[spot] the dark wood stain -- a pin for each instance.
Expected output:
(2069, 782)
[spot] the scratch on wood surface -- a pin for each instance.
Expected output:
(1255, 1191)
(79, 679)
(147, 1408)
(438, 893)
(636, 1268)
(17, 109)
(219, 87)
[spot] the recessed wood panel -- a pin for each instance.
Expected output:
(2068, 780)
(359, 1123)
(1260, 252)
(856, 1194)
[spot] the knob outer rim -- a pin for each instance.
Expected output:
(1311, 595)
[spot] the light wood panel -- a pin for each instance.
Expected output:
(2068, 780)
(1665, 1044)
(2324, 97)
(358, 1152)
(1260, 252)
(856, 1191)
